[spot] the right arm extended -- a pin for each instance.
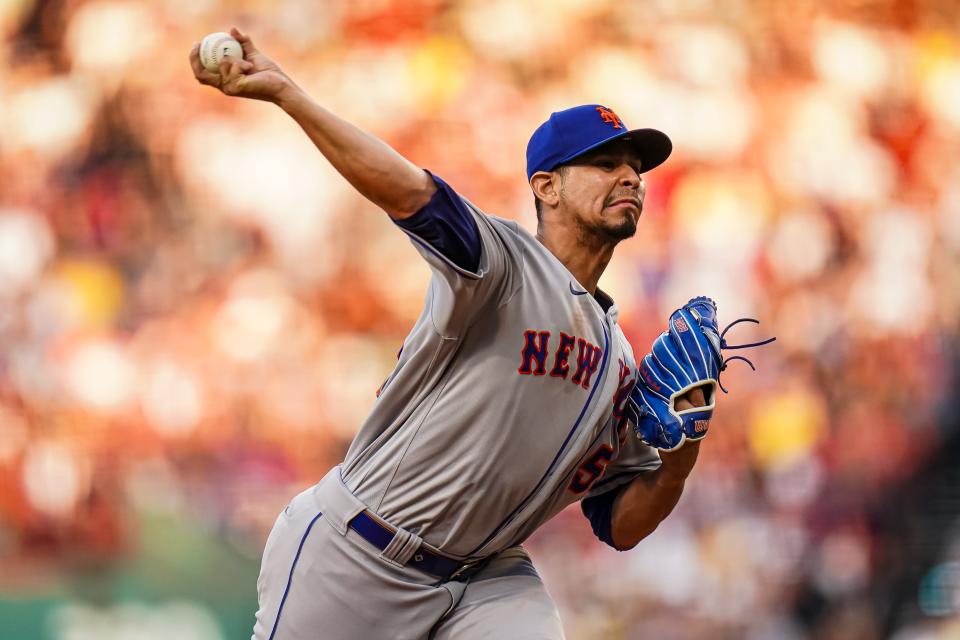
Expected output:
(375, 169)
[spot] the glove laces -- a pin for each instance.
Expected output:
(724, 345)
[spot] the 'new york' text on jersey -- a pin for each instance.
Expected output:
(504, 406)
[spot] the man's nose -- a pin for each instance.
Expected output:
(630, 178)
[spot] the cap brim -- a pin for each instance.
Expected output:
(652, 146)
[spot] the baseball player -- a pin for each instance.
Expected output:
(509, 399)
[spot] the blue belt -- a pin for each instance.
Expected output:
(379, 534)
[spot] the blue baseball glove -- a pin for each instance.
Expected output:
(686, 356)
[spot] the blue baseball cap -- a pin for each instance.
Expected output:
(572, 132)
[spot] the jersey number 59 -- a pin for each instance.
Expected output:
(591, 469)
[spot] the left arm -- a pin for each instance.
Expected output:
(651, 496)
(685, 361)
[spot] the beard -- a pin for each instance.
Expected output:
(606, 231)
(620, 230)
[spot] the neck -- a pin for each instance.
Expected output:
(583, 253)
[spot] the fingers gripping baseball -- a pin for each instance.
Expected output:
(233, 75)
(202, 75)
(253, 75)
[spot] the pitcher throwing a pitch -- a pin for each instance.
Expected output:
(515, 393)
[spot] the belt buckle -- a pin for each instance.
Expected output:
(464, 567)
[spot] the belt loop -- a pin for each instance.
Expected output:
(401, 547)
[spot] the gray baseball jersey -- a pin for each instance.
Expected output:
(505, 404)
(504, 407)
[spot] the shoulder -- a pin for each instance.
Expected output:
(515, 239)
(497, 224)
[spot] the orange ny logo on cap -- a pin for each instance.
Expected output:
(609, 116)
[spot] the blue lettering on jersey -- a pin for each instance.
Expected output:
(591, 470)
(588, 358)
(560, 365)
(624, 387)
(595, 464)
(534, 350)
(536, 346)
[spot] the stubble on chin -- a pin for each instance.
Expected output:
(608, 231)
(622, 230)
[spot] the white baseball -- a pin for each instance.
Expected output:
(216, 45)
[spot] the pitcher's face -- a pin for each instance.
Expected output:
(604, 191)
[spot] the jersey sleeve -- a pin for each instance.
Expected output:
(599, 511)
(634, 458)
(475, 260)
(447, 226)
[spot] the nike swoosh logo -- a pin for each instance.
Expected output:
(575, 292)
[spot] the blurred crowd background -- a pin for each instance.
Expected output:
(196, 311)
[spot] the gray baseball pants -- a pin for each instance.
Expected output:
(319, 579)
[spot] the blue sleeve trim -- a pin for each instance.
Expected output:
(599, 510)
(448, 226)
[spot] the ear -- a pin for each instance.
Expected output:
(545, 185)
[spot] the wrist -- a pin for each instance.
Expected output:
(675, 466)
(289, 96)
